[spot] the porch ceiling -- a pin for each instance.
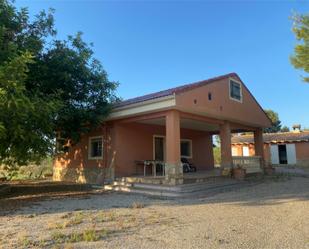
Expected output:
(185, 123)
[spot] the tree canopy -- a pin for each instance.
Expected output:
(276, 123)
(285, 129)
(300, 59)
(46, 86)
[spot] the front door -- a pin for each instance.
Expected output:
(159, 148)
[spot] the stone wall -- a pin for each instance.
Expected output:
(83, 175)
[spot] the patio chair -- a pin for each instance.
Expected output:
(160, 168)
(187, 166)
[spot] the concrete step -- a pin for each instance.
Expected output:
(122, 183)
(162, 181)
(180, 190)
(158, 180)
(117, 188)
(186, 187)
(155, 192)
(148, 191)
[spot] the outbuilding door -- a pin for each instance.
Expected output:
(283, 154)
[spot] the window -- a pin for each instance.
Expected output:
(209, 96)
(186, 148)
(95, 148)
(234, 151)
(235, 90)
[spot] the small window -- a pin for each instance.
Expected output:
(209, 96)
(95, 148)
(234, 151)
(235, 90)
(186, 148)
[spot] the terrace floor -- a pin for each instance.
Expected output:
(199, 176)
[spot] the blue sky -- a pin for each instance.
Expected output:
(152, 45)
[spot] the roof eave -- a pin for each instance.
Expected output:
(153, 105)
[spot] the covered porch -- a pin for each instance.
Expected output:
(169, 130)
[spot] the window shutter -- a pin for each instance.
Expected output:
(245, 151)
(274, 154)
(291, 153)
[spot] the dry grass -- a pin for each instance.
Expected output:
(88, 226)
(137, 205)
(71, 220)
(87, 235)
(237, 219)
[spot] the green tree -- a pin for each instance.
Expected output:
(26, 131)
(300, 59)
(217, 149)
(217, 155)
(46, 86)
(276, 123)
(69, 71)
(285, 129)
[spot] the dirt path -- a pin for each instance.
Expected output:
(274, 214)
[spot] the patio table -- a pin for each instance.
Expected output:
(153, 164)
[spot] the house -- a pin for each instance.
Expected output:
(283, 148)
(163, 127)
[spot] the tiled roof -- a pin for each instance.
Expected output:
(174, 90)
(274, 137)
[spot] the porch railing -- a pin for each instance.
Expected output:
(251, 163)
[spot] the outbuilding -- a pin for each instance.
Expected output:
(284, 148)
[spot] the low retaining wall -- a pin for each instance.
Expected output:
(84, 175)
(5, 189)
(41, 187)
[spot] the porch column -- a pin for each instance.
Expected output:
(259, 145)
(173, 169)
(226, 150)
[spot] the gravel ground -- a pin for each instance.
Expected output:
(273, 214)
(296, 171)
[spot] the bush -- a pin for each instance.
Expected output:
(217, 155)
(33, 171)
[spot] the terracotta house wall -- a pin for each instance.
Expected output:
(302, 153)
(202, 150)
(267, 153)
(221, 105)
(77, 156)
(124, 143)
(134, 141)
(239, 148)
(251, 150)
(75, 164)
